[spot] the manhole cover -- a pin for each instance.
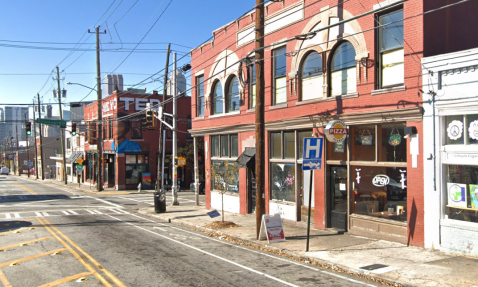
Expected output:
(373, 266)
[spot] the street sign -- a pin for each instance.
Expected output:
(181, 161)
(312, 155)
(80, 160)
(52, 122)
(79, 167)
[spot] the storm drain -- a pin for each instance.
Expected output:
(373, 267)
(379, 268)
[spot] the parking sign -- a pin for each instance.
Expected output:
(312, 155)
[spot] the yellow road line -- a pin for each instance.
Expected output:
(24, 187)
(4, 280)
(66, 279)
(26, 242)
(31, 257)
(19, 229)
(75, 254)
(107, 273)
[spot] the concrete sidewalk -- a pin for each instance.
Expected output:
(403, 266)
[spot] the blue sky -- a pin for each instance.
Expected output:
(185, 22)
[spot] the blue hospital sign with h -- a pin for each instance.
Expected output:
(312, 154)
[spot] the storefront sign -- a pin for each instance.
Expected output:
(456, 194)
(336, 131)
(455, 130)
(473, 130)
(381, 180)
(272, 227)
(395, 138)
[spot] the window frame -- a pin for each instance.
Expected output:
(275, 55)
(138, 129)
(144, 164)
(252, 84)
(331, 71)
(229, 95)
(301, 74)
(200, 107)
(229, 146)
(110, 128)
(214, 98)
(378, 48)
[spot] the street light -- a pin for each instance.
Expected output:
(69, 83)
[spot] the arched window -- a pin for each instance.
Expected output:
(232, 97)
(217, 99)
(311, 75)
(343, 75)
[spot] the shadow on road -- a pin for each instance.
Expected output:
(6, 226)
(31, 197)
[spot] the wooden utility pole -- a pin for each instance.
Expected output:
(260, 149)
(62, 130)
(41, 141)
(28, 151)
(99, 140)
(35, 140)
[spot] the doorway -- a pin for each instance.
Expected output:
(251, 190)
(111, 170)
(337, 207)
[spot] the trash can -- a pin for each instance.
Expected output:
(159, 202)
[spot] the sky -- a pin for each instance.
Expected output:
(25, 72)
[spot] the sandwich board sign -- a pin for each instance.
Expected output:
(271, 228)
(312, 154)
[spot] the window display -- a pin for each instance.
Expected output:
(461, 192)
(136, 164)
(225, 176)
(283, 181)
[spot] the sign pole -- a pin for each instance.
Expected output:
(310, 204)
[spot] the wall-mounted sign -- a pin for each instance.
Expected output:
(336, 131)
(381, 180)
(456, 194)
(455, 130)
(473, 130)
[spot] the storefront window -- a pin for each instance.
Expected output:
(225, 146)
(225, 176)
(461, 129)
(363, 143)
(234, 146)
(289, 145)
(283, 181)
(215, 146)
(393, 146)
(380, 192)
(302, 135)
(336, 151)
(136, 164)
(276, 144)
(462, 192)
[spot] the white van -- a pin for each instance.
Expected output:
(4, 170)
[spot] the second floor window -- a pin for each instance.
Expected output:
(217, 99)
(200, 95)
(280, 76)
(110, 122)
(232, 99)
(311, 76)
(343, 71)
(252, 87)
(390, 45)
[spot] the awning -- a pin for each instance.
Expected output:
(73, 157)
(247, 158)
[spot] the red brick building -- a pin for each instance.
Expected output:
(133, 158)
(363, 72)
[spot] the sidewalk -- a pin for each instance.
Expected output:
(404, 266)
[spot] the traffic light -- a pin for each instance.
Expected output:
(150, 117)
(105, 160)
(29, 128)
(73, 129)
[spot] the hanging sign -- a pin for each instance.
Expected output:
(336, 131)
(456, 194)
(395, 138)
(455, 130)
(473, 130)
(272, 227)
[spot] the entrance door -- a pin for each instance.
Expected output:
(251, 190)
(338, 197)
(111, 170)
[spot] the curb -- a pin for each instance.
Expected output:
(278, 251)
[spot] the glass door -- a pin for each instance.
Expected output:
(338, 197)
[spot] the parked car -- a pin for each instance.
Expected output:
(202, 187)
(4, 170)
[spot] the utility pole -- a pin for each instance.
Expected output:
(35, 139)
(99, 140)
(175, 134)
(18, 151)
(59, 94)
(41, 140)
(28, 151)
(260, 149)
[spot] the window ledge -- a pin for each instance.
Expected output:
(389, 90)
(328, 99)
(225, 114)
(199, 118)
(279, 106)
(253, 110)
(276, 201)
(230, 193)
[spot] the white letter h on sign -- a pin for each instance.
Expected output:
(309, 148)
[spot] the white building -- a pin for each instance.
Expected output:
(451, 151)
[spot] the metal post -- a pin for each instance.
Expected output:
(41, 140)
(310, 204)
(196, 170)
(59, 94)
(17, 153)
(164, 156)
(28, 152)
(175, 135)
(35, 140)
(260, 149)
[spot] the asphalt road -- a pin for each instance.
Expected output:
(52, 236)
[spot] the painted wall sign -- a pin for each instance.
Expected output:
(272, 227)
(336, 131)
(473, 130)
(381, 180)
(139, 103)
(456, 194)
(455, 130)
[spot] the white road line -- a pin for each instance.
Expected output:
(115, 211)
(209, 253)
(38, 214)
(65, 212)
(122, 211)
(17, 215)
(91, 212)
(97, 212)
(7, 215)
(45, 213)
(105, 201)
(72, 212)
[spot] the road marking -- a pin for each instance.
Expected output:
(210, 254)
(65, 212)
(72, 212)
(45, 213)
(32, 257)
(38, 214)
(7, 216)
(105, 201)
(98, 265)
(17, 215)
(75, 254)
(26, 242)
(97, 212)
(66, 279)
(4, 280)
(24, 187)
(91, 212)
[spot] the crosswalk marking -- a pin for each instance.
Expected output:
(17, 215)
(90, 211)
(65, 212)
(72, 212)
(7, 215)
(38, 214)
(45, 214)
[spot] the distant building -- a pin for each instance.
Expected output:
(12, 122)
(181, 82)
(112, 83)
